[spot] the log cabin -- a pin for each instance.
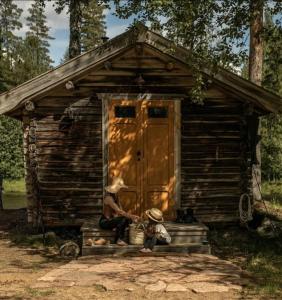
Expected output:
(123, 109)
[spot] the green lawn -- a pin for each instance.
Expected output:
(272, 193)
(14, 194)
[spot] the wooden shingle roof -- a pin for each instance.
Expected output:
(80, 65)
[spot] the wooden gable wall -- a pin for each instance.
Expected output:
(63, 141)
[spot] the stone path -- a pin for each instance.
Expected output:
(196, 272)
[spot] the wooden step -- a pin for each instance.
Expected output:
(134, 249)
(180, 233)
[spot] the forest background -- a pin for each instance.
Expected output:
(218, 32)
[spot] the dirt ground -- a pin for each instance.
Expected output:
(22, 267)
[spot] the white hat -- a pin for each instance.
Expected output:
(116, 185)
(155, 214)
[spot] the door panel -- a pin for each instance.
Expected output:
(157, 149)
(141, 150)
(124, 142)
(158, 167)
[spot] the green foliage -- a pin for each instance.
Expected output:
(9, 42)
(271, 131)
(271, 125)
(21, 60)
(215, 31)
(259, 255)
(36, 41)
(11, 155)
(93, 26)
(272, 192)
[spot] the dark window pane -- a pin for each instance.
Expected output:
(125, 112)
(157, 112)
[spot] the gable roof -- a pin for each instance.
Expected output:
(36, 87)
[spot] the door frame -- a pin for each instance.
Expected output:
(106, 97)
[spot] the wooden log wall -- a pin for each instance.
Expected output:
(69, 159)
(29, 148)
(214, 159)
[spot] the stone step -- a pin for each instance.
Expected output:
(133, 249)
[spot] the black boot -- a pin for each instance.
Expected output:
(189, 216)
(179, 215)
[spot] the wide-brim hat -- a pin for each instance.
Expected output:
(116, 185)
(155, 215)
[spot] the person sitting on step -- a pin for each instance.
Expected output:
(114, 217)
(155, 232)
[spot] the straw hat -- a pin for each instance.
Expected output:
(116, 185)
(155, 214)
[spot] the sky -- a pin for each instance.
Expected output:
(59, 27)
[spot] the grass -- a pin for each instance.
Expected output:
(256, 252)
(272, 193)
(14, 194)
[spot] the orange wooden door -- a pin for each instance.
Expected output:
(141, 150)
(158, 162)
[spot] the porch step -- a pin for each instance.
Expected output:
(180, 233)
(133, 249)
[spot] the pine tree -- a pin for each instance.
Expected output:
(9, 21)
(93, 26)
(36, 42)
(75, 11)
(11, 156)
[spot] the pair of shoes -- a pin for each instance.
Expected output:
(145, 250)
(121, 243)
(100, 242)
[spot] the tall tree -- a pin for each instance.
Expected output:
(93, 26)
(11, 158)
(256, 41)
(75, 12)
(9, 22)
(38, 36)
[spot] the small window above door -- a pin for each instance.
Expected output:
(125, 112)
(158, 112)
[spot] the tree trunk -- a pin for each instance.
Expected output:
(255, 75)
(75, 25)
(1, 188)
(256, 42)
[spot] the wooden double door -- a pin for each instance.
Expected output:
(141, 151)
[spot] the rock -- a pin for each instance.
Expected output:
(207, 287)
(204, 256)
(156, 287)
(59, 283)
(129, 289)
(175, 287)
(146, 279)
